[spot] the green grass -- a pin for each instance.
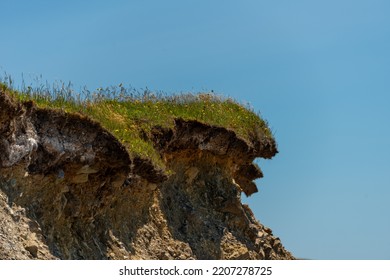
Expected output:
(128, 113)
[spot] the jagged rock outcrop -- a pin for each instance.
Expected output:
(71, 190)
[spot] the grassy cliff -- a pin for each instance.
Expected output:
(130, 115)
(120, 174)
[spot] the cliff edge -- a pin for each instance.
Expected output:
(70, 189)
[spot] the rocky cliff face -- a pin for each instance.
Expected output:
(70, 190)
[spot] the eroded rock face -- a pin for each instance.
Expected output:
(70, 190)
(204, 209)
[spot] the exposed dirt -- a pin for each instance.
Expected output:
(70, 190)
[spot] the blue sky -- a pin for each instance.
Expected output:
(318, 71)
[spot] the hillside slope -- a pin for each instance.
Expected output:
(70, 188)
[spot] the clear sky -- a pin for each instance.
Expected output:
(318, 71)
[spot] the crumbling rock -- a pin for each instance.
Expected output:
(70, 190)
